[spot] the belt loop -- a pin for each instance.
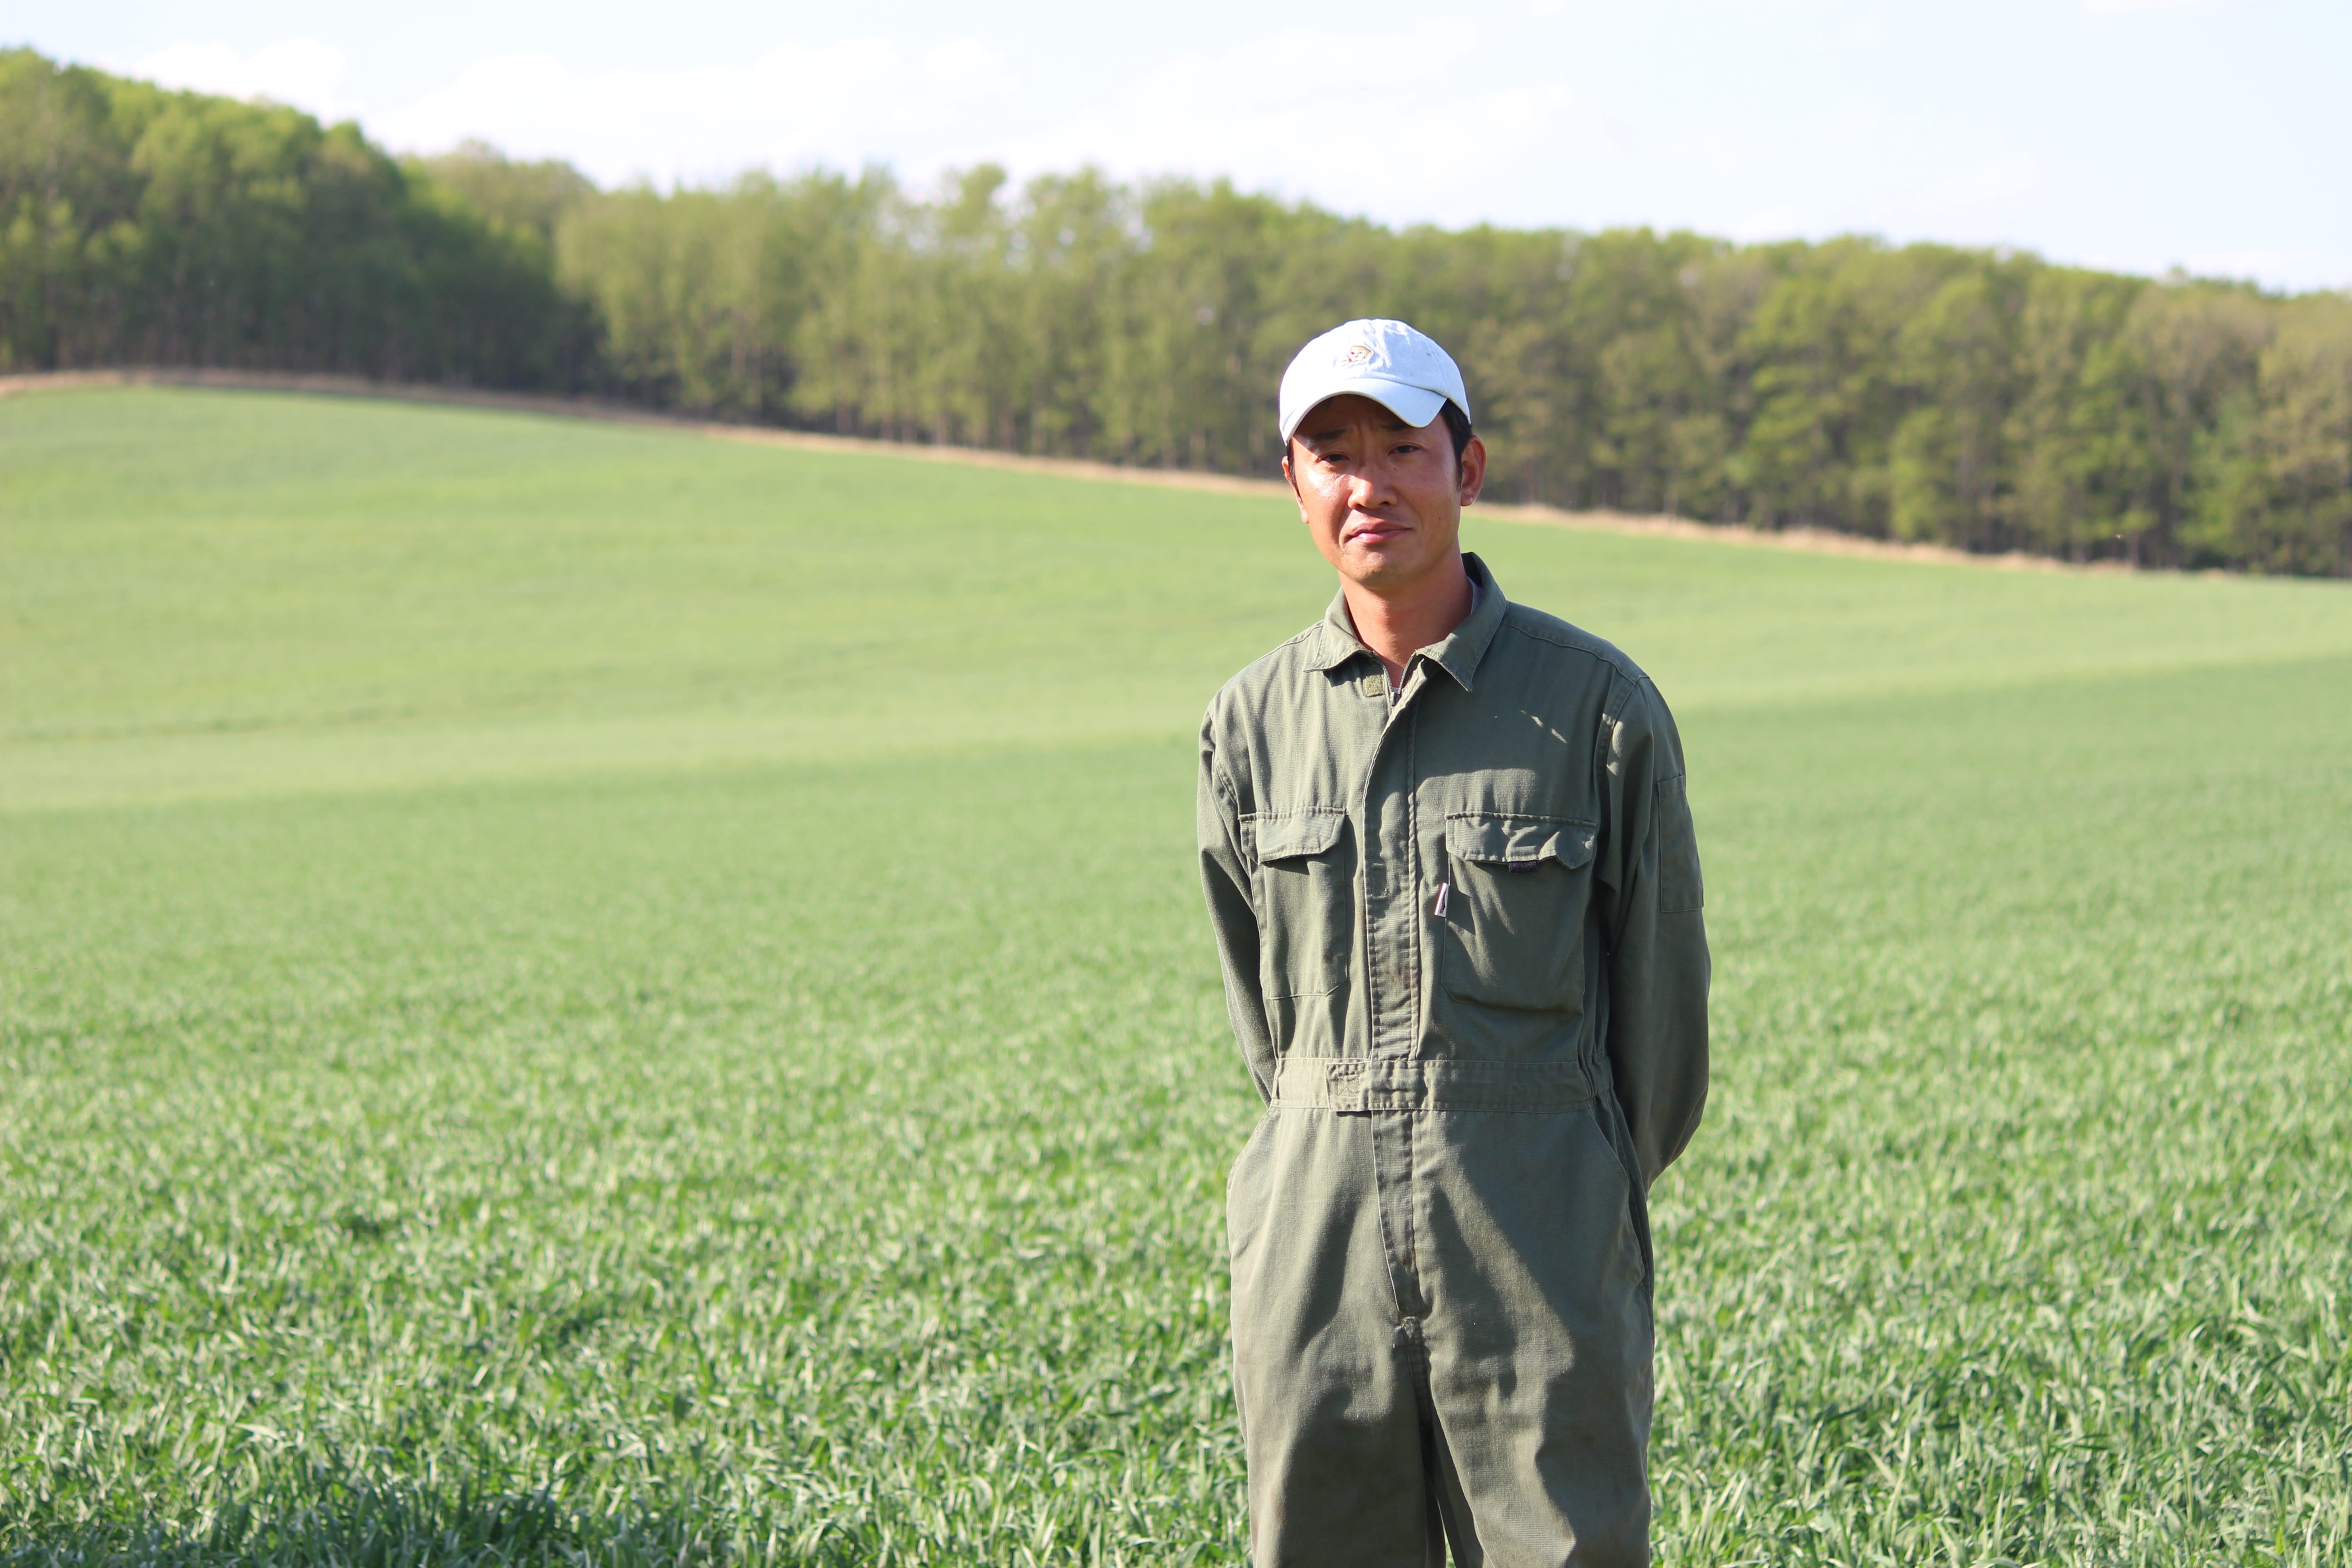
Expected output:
(1344, 1086)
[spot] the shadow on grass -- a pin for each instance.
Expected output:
(366, 1527)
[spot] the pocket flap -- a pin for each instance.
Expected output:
(1496, 838)
(1292, 833)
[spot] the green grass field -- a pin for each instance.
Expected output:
(580, 994)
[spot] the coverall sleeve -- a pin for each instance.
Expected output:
(1652, 894)
(1225, 873)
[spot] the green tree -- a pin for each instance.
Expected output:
(2079, 429)
(1632, 318)
(525, 197)
(2198, 347)
(143, 226)
(1947, 470)
(1827, 388)
(2274, 471)
(69, 252)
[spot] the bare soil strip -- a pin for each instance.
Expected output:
(1815, 540)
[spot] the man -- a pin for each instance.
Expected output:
(1456, 898)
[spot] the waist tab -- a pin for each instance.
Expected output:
(1358, 1085)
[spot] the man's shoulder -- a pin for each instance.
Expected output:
(1550, 641)
(1277, 669)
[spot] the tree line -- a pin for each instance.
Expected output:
(1984, 399)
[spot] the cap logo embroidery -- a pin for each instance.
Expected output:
(1358, 353)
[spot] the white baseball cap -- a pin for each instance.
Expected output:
(1396, 366)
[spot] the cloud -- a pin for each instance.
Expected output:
(1989, 182)
(2265, 264)
(1337, 132)
(1288, 110)
(1763, 224)
(841, 104)
(2127, 7)
(303, 72)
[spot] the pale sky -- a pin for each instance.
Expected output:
(2139, 135)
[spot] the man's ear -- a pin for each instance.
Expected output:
(1292, 481)
(1471, 473)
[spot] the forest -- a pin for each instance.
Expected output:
(1986, 400)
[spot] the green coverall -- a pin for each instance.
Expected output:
(1464, 956)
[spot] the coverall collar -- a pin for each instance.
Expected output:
(1458, 653)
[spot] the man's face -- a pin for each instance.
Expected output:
(1383, 499)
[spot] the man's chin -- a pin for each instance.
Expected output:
(1389, 564)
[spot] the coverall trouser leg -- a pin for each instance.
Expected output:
(1442, 1329)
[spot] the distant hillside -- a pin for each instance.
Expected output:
(1983, 400)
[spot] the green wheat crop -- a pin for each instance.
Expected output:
(582, 995)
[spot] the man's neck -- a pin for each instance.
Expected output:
(1396, 626)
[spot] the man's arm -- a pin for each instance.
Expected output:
(1226, 876)
(1651, 893)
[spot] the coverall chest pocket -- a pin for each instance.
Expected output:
(1515, 921)
(1306, 900)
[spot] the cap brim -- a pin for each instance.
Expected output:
(1416, 405)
